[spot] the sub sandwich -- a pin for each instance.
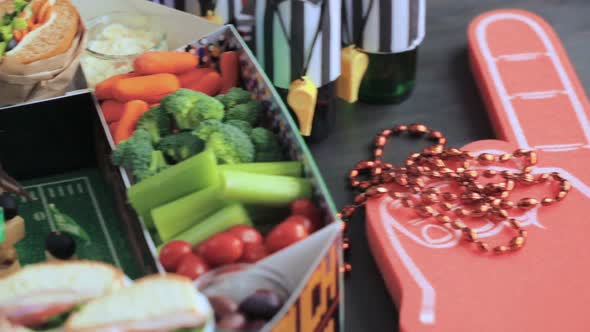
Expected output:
(37, 29)
(161, 303)
(40, 297)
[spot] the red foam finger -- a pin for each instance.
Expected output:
(516, 57)
(441, 282)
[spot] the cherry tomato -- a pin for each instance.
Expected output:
(305, 207)
(284, 235)
(197, 250)
(222, 249)
(192, 266)
(253, 253)
(303, 220)
(247, 234)
(172, 253)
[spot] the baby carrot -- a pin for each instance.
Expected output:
(211, 84)
(193, 75)
(165, 62)
(112, 110)
(103, 90)
(229, 65)
(131, 114)
(151, 88)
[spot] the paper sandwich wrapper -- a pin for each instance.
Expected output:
(42, 79)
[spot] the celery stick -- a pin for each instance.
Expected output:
(173, 218)
(267, 190)
(229, 216)
(285, 168)
(189, 176)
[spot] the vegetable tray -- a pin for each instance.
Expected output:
(320, 254)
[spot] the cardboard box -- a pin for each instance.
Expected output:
(65, 134)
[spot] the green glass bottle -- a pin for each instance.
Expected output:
(389, 78)
(389, 32)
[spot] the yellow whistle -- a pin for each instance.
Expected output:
(211, 16)
(354, 67)
(302, 98)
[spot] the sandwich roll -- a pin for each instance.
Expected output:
(57, 27)
(152, 304)
(37, 293)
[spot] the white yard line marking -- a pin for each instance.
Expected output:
(80, 188)
(537, 94)
(60, 189)
(51, 192)
(558, 146)
(70, 189)
(46, 208)
(33, 195)
(521, 56)
(102, 223)
(58, 182)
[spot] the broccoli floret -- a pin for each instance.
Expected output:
(229, 144)
(248, 112)
(266, 144)
(6, 33)
(233, 97)
(156, 122)
(135, 150)
(242, 125)
(137, 154)
(181, 146)
(156, 165)
(189, 108)
(264, 139)
(207, 128)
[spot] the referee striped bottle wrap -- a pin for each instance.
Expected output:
(219, 11)
(298, 44)
(389, 32)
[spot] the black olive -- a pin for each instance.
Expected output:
(9, 204)
(60, 245)
(12, 44)
(263, 304)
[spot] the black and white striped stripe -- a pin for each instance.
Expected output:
(230, 11)
(284, 63)
(189, 6)
(392, 26)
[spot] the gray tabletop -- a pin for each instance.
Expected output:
(446, 99)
